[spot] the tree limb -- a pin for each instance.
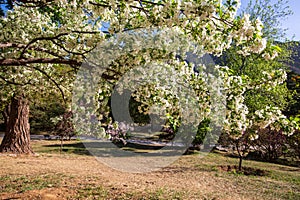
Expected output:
(19, 62)
(13, 82)
(44, 50)
(52, 80)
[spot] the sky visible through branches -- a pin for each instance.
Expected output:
(292, 22)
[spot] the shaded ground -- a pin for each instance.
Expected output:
(75, 174)
(248, 171)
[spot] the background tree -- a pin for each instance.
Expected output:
(253, 68)
(64, 127)
(272, 14)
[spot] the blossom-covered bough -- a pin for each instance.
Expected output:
(44, 43)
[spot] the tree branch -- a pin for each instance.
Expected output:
(52, 38)
(19, 62)
(13, 82)
(52, 80)
(40, 38)
(20, 46)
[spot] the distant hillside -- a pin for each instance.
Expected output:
(294, 64)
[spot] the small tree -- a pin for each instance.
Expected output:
(64, 127)
(243, 126)
(254, 84)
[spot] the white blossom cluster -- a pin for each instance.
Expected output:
(238, 119)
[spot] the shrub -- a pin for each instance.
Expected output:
(293, 143)
(118, 132)
(41, 115)
(270, 143)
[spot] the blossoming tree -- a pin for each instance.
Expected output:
(43, 43)
(268, 76)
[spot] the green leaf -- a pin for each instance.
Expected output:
(276, 48)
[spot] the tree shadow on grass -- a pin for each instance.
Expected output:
(279, 161)
(89, 148)
(73, 148)
(248, 171)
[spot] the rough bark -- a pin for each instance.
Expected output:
(17, 134)
(240, 162)
(240, 156)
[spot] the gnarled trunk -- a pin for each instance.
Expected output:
(17, 132)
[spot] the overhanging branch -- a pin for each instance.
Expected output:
(10, 82)
(53, 81)
(19, 62)
(34, 48)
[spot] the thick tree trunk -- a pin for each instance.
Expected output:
(17, 134)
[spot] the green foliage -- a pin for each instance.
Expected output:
(135, 114)
(203, 130)
(254, 68)
(293, 82)
(41, 115)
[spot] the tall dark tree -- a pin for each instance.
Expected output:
(17, 133)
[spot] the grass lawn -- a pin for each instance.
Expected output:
(74, 174)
